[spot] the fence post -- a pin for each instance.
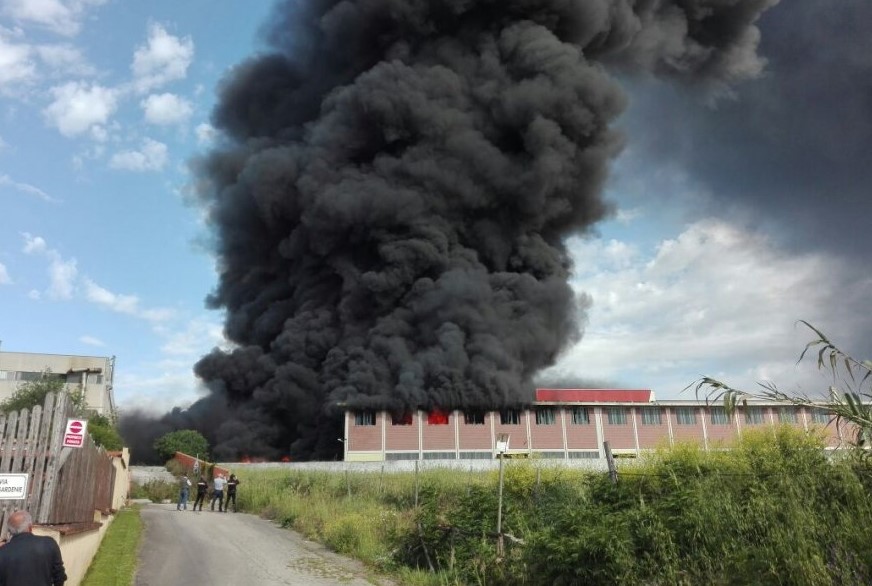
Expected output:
(416, 484)
(610, 460)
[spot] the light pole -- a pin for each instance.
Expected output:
(502, 447)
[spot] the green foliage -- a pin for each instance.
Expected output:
(115, 562)
(850, 395)
(156, 491)
(32, 393)
(187, 441)
(104, 433)
(773, 509)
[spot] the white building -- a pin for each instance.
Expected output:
(91, 374)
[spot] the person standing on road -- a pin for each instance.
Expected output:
(184, 488)
(231, 492)
(28, 559)
(202, 488)
(218, 493)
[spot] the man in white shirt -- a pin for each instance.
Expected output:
(218, 492)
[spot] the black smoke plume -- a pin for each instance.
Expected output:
(398, 178)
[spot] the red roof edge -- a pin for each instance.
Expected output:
(595, 395)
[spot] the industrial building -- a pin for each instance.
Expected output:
(567, 424)
(92, 374)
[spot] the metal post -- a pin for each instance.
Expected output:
(500, 510)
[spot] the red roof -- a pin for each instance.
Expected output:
(594, 395)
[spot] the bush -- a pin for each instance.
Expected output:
(155, 490)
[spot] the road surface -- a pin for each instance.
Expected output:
(180, 548)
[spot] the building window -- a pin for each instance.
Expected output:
(787, 415)
(651, 416)
(719, 416)
(364, 418)
(401, 418)
(544, 416)
(437, 417)
(820, 416)
(754, 415)
(510, 417)
(473, 418)
(617, 415)
(685, 416)
(580, 416)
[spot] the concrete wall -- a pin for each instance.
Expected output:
(78, 549)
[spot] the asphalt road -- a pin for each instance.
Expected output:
(234, 549)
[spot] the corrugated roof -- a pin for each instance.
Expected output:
(595, 395)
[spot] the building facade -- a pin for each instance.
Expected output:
(92, 374)
(568, 424)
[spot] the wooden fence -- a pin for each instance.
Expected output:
(65, 485)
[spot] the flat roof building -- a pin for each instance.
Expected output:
(92, 374)
(569, 424)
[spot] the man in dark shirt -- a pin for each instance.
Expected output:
(202, 488)
(28, 559)
(231, 492)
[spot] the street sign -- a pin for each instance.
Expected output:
(74, 436)
(13, 487)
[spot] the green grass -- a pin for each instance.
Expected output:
(115, 561)
(773, 509)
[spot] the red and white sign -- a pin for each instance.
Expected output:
(74, 436)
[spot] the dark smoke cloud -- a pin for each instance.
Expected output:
(391, 204)
(793, 146)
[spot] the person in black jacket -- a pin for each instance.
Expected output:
(28, 559)
(231, 492)
(202, 489)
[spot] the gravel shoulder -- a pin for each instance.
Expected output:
(186, 547)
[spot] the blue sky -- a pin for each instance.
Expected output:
(103, 103)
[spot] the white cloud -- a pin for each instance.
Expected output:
(34, 294)
(206, 134)
(126, 304)
(714, 300)
(166, 109)
(163, 59)
(91, 341)
(78, 107)
(63, 275)
(17, 66)
(65, 59)
(60, 16)
(198, 337)
(33, 244)
(4, 275)
(152, 156)
(26, 188)
(62, 272)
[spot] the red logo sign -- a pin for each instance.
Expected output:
(74, 437)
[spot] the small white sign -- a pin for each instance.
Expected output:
(13, 487)
(74, 436)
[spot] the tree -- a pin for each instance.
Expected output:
(850, 397)
(187, 441)
(32, 393)
(104, 433)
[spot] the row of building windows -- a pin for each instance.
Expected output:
(614, 416)
(71, 378)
